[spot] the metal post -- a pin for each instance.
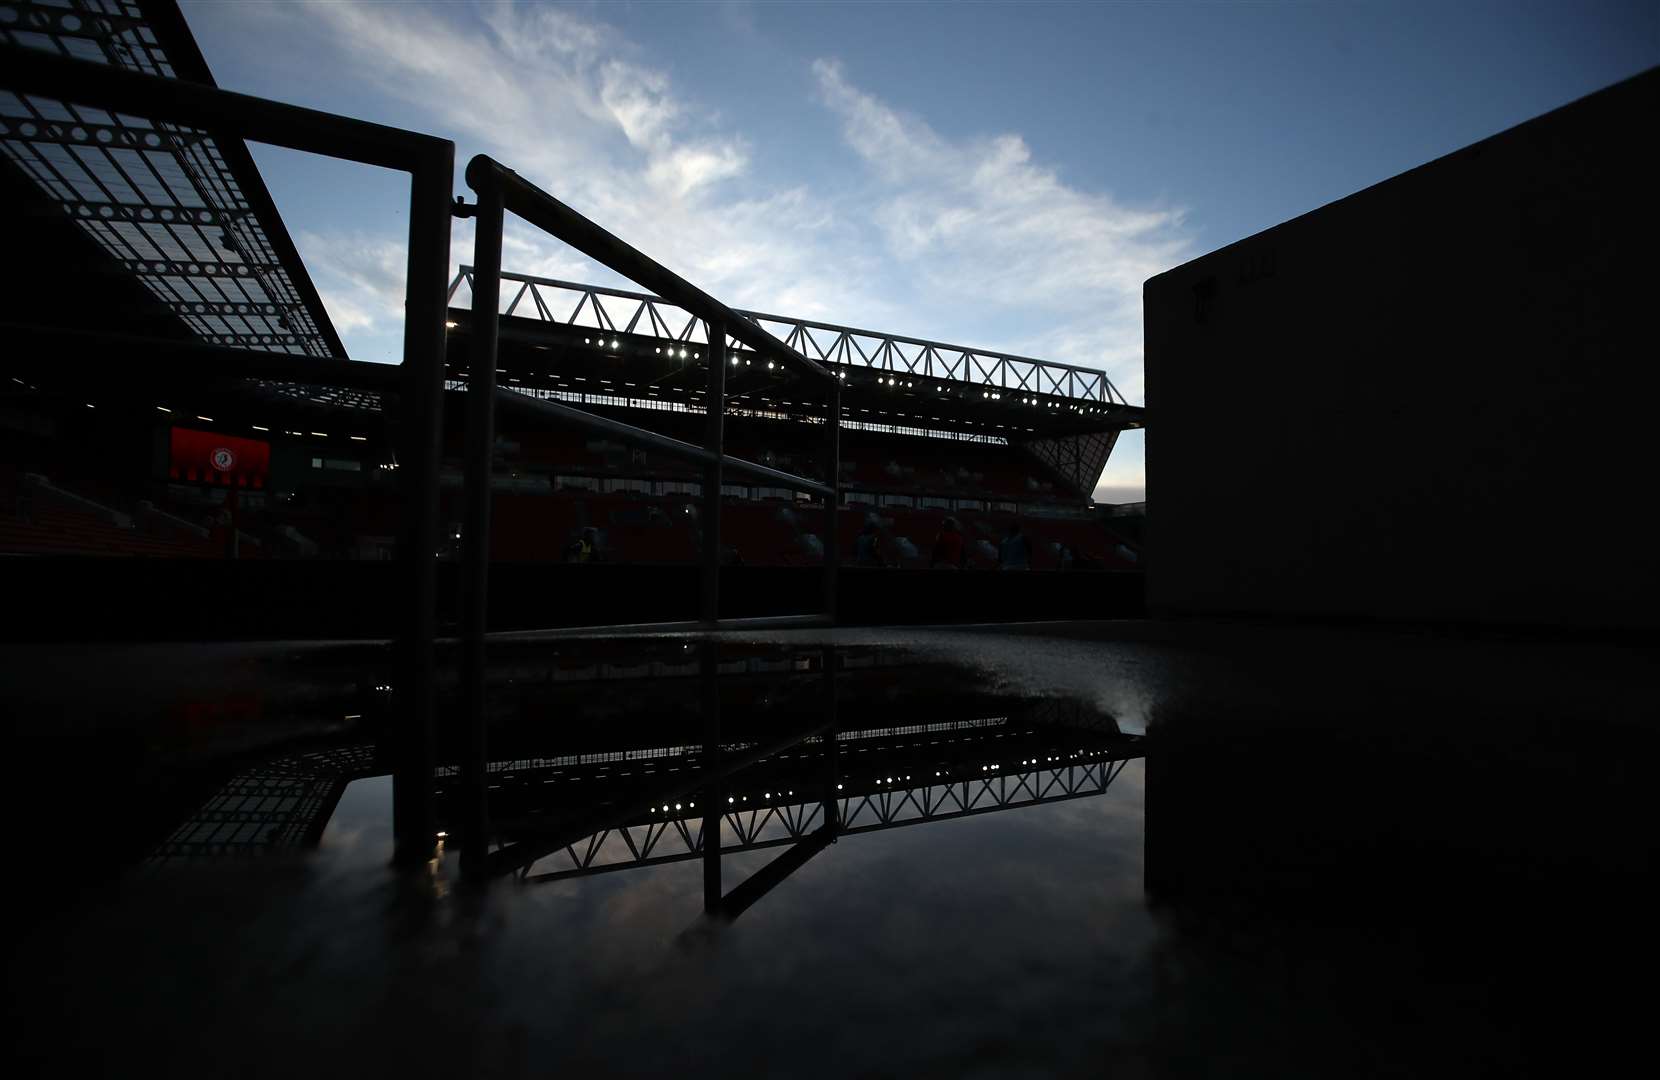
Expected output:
(710, 665)
(832, 501)
(714, 442)
(832, 803)
(413, 828)
(475, 536)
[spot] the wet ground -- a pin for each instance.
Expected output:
(1150, 850)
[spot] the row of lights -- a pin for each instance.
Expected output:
(731, 799)
(616, 343)
(262, 427)
(987, 395)
(880, 381)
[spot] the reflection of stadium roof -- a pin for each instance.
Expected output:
(181, 210)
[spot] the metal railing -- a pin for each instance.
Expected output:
(419, 380)
(430, 165)
(500, 190)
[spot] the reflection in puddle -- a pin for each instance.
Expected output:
(924, 864)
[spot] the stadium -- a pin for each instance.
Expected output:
(628, 683)
(175, 447)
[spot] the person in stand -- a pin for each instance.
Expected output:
(584, 547)
(949, 550)
(1014, 553)
(866, 549)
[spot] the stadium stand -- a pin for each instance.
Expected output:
(164, 446)
(45, 519)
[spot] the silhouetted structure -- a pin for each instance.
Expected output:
(1424, 401)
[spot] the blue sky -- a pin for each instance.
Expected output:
(998, 176)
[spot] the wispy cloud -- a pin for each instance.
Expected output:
(969, 239)
(979, 222)
(360, 277)
(569, 103)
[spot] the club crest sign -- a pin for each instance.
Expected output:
(217, 458)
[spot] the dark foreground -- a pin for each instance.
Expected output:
(1153, 850)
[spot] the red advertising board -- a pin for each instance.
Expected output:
(207, 457)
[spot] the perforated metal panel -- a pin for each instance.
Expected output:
(179, 209)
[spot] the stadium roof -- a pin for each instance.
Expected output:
(598, 347)
(557, 334)
(597, 307)
(179, 209)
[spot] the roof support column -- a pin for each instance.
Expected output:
(714, 442)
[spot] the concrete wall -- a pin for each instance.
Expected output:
(1363, 412)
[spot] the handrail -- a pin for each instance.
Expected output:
(543, 210)
(685, 451)
(430, 163)
(499, 190)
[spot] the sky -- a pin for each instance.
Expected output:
(999, 176)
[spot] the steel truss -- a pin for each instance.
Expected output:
(1076, 459)
(679, 838)
(1017, 378)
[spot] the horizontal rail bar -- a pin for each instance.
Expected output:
(685, 451)
(86, 82)
(114, 356)
(544, 211)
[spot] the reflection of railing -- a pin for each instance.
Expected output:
(500, 191)
(545, 299)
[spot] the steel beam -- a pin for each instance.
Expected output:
(187, 269)
(422, 423)
(774, 873)
(86, 82)
(475, 537)
(150, 360)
